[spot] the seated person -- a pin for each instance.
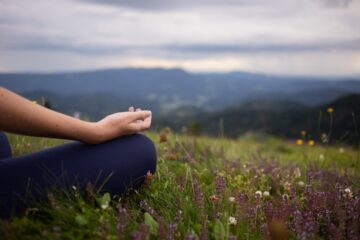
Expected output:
(110, 153)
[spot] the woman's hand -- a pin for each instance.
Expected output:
(120, 124)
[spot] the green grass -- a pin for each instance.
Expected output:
(186, 197)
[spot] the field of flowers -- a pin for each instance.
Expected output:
(211, 188)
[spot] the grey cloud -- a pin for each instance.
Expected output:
(171, 4)
(188, 4)
(336, 3)
(176, 50)
(249, 48)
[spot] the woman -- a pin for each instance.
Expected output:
(109, 153)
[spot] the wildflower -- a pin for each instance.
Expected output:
(232, 199)
(232, 221)
(299, 142)
(324, 138)
(311, 143)
(297, 173)
(266, 194)
(301, 184)
(214, 198)
(220, 184)
(31, 210)
(341, 150)
(73, 187)
(321, 157)
(258, 194)
(163, 137)
(149, 177)
(303, 133)
(198, 196)
(287, 186)
(348, 193)
(330, 110)
(285, 196)
(167, 130)
(191, 236)
(171, 156)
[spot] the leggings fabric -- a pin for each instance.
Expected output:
(116, 166)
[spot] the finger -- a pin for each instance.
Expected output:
(147, 121)
(137, 110)
(131, 109)
(140, 126)
(140, 115)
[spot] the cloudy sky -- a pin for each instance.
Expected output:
(291, 37)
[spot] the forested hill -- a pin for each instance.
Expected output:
(337, 121)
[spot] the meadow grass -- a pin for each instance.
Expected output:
(210, 188)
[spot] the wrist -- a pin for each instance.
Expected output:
(92, 133)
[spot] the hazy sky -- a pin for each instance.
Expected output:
(297, 37)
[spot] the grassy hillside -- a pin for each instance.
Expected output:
(210, 188)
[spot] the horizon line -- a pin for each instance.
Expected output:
(264, 74)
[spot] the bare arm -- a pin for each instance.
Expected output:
(19, 115)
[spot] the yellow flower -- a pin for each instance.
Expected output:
(299, 142)
(311, 143)
(330, 110)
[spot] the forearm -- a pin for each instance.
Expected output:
(19, 115)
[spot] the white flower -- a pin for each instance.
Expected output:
(348, 193)
(104, 206)
(232, 199)
(73, 187)
(321, 157)
(324, 138)
(285, 196)
(341, 150)
(297, 173)
(232, 221)
(266, 194)
(301, 184)
(258, 193)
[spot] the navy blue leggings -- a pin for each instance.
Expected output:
(116, 165)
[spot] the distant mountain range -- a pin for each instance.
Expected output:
(200, 103)
(166, 89)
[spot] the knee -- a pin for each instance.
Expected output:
(140, 156)
(148, 151)
(141, 149)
